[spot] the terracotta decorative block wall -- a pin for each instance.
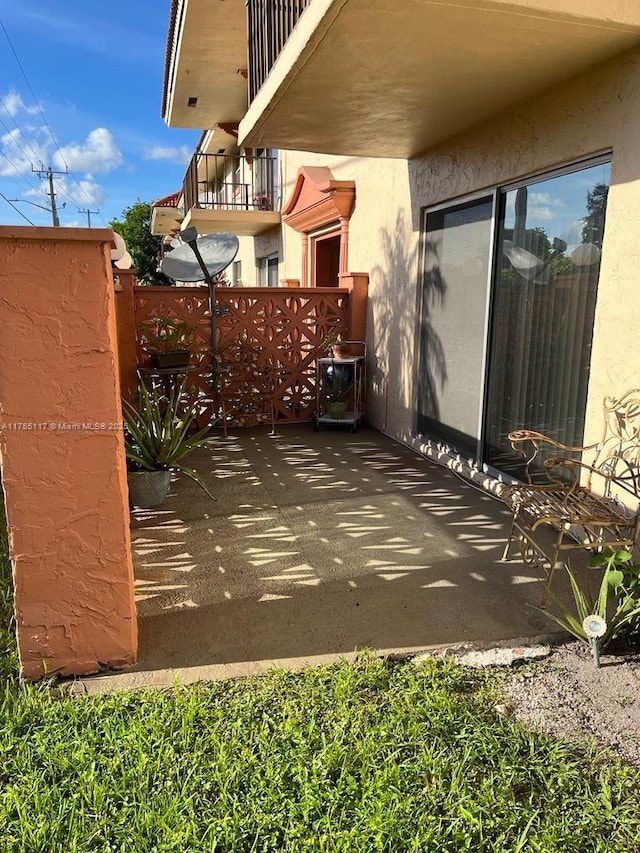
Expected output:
(287, 323)
(62, 452)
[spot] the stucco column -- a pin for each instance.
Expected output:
(344, 245)
(62, 452)
(124, 281)
(305, 260)
(356, 319)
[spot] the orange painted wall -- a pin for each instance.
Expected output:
(126, 326)
(62, 452)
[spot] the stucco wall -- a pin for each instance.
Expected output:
(380, 244)
(62, 452)
(252, 248)
(591, 114)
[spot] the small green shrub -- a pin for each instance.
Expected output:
(616, 607)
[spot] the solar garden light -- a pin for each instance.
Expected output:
(595, 627)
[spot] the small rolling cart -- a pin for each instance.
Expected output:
(340, 384)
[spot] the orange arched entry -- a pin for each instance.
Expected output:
(318, 200)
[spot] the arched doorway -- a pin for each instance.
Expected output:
(320, 209)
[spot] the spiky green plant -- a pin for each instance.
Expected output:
(157, 431)
(617, 601)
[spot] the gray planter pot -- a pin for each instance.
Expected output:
(148, 489)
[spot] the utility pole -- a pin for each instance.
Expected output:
(49, 174)
(88, 212)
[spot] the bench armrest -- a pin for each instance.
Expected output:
(528, 444)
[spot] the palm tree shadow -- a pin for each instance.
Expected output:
(401, 339)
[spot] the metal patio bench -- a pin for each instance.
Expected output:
(248, 376)
(582, 497)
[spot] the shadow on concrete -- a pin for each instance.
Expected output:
(320, 544)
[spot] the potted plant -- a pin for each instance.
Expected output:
(262, 202)
(157, 437)
(338, 382)
(336, 342)
(167, 340)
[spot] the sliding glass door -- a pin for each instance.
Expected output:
(525, 362)
(455, 281)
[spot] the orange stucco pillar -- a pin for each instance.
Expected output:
(62, 452)
(124, 282)
(356, 319)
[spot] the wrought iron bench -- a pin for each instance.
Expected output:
(582, 498)
(247, 379)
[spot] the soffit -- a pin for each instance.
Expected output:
(395, 77)
(207, 60)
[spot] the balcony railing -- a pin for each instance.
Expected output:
(231, 182)
(269, 25)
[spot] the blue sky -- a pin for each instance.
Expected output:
(96, 71)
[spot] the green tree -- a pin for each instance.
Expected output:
(143, 246)
(593, 223)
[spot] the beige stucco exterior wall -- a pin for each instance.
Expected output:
(594, 113)
(252, 248)
(381, 244)
(62, 452)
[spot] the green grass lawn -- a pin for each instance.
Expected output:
(370, 756)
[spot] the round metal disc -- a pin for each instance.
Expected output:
(217, 251)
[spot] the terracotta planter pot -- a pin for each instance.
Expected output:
(341, 351)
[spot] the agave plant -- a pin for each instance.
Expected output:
(157, 434)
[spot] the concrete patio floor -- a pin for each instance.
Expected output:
(318, 544)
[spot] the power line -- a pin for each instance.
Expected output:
(42, 115)
(13, 119)
(88, 212)
(49, 173)
(15, 208)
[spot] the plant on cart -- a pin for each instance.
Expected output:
(168, 341)
(338, 382)
(336, 343)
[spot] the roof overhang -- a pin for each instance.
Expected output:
(394, 77)
(206, 63)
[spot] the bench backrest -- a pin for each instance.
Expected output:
(617, 457)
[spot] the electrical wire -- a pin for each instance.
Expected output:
(46, 123)
(16, 209)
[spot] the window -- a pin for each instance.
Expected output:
(268, 271)
(508, 300)
(236, 273)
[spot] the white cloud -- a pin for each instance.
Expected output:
(165, 152)
(98, 153)
(20, 152)
(541, 213)
(11, 104)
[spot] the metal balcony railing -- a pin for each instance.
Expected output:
(231, 182)
(269, 25)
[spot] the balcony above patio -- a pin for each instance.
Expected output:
(392, 78)
(234, 193)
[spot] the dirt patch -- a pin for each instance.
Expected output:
(567, 696)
